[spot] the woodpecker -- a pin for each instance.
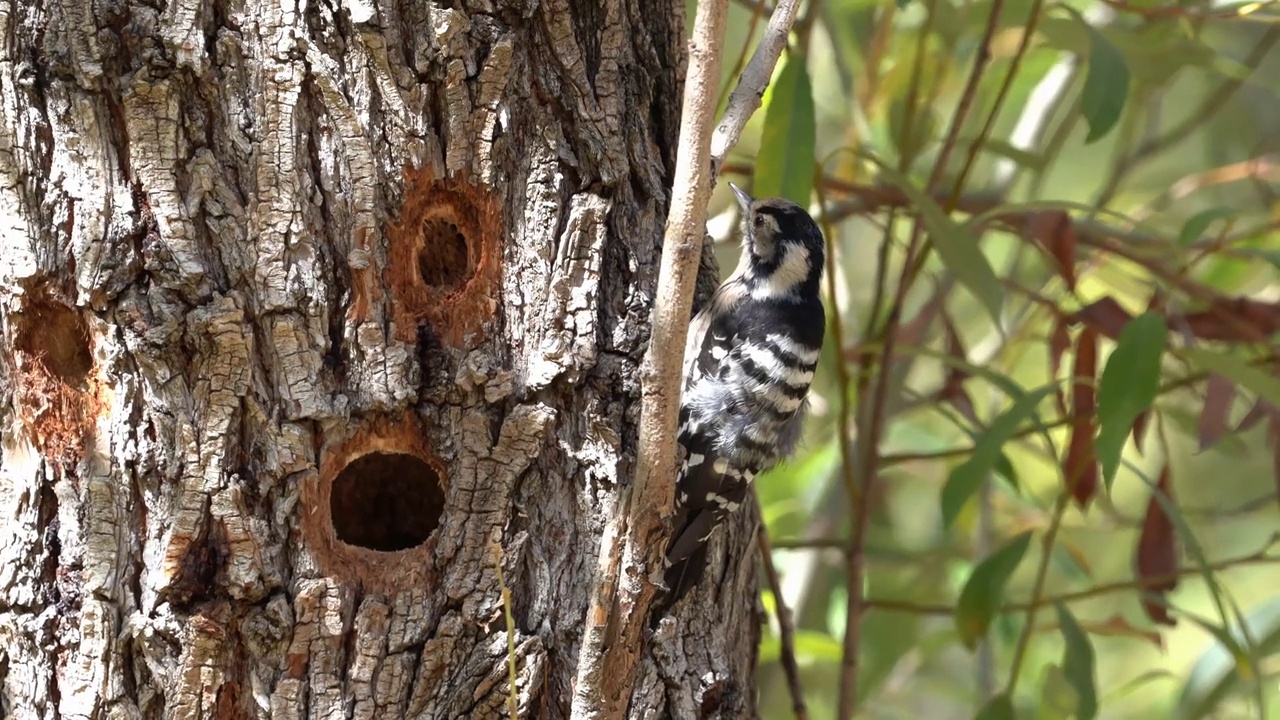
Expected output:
(748, 362)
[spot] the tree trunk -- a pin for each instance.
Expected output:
(321, 327)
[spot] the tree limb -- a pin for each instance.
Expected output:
(745, 99)
(632, 544)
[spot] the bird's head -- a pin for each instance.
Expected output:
(782, 244)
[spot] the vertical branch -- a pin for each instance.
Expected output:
(745, 99)
(786, 623)
(876, 417)
(632, 544)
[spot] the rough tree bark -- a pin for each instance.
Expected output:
(314, 313)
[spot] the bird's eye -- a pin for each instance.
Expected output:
(759, 221)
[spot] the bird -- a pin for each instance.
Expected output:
(749, 360)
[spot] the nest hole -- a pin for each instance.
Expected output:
(58, 338)
(443, 261)
(386, 501)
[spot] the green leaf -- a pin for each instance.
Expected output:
(1106, 86)
(1200, 222)
(966, 478)
(957, 247)
(1059, 700)
(811, 647)
(999, 707)
(1217, 671)
(1077, 664)
(1233, 368)
(983, 593)
(1128, 386)
(785, 165)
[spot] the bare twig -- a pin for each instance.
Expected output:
(786, 628)
(876, 419)
(904, 606)
(745, 99)
(616, 618)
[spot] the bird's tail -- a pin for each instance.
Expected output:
(680, 577)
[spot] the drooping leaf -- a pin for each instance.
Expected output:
(1261, 409)
(1056, 233)
(1216, 411)
(1234, 319)
(1080, 467)
(1106, 315)
(1238, 370)
(955, 245)
(1129, 385)
(785, 165)
(1077, 664)
(999, 707)
(923, 127)
(1156, 559)
(1195, 227)
(966, 478)
(1059, 700)
(1216, 673)
(983, 592)
(1106, 86)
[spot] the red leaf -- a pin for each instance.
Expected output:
(1261, 409)
(1219, 392)
(1105, 315)
(1054, 231)
(1235, 319)
(1156, 562)
(1080, 468)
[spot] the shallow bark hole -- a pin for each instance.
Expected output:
(442, 261)
(58, 338)
(386, 501)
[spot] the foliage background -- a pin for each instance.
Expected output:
(1133, 152)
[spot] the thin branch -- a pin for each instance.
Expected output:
(1037, 587)
(786, 627)
(745, 99)
(914, 608)
(877, 418)
(618, 613)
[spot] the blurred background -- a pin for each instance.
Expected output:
(1005, 187)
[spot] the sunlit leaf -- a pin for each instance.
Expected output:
(1002, 148)
(966, 478)
(785, 164)
(1200, 222)
(1238, 370)
(1078, 665)
(983, 593)
(1129, 385)
(811, 647)
(1215, 673)
(1106, 86)
(999, 707)
(957, 247)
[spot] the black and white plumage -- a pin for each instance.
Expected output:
(749, 360)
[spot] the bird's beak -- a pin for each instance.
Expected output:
(744, 199)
